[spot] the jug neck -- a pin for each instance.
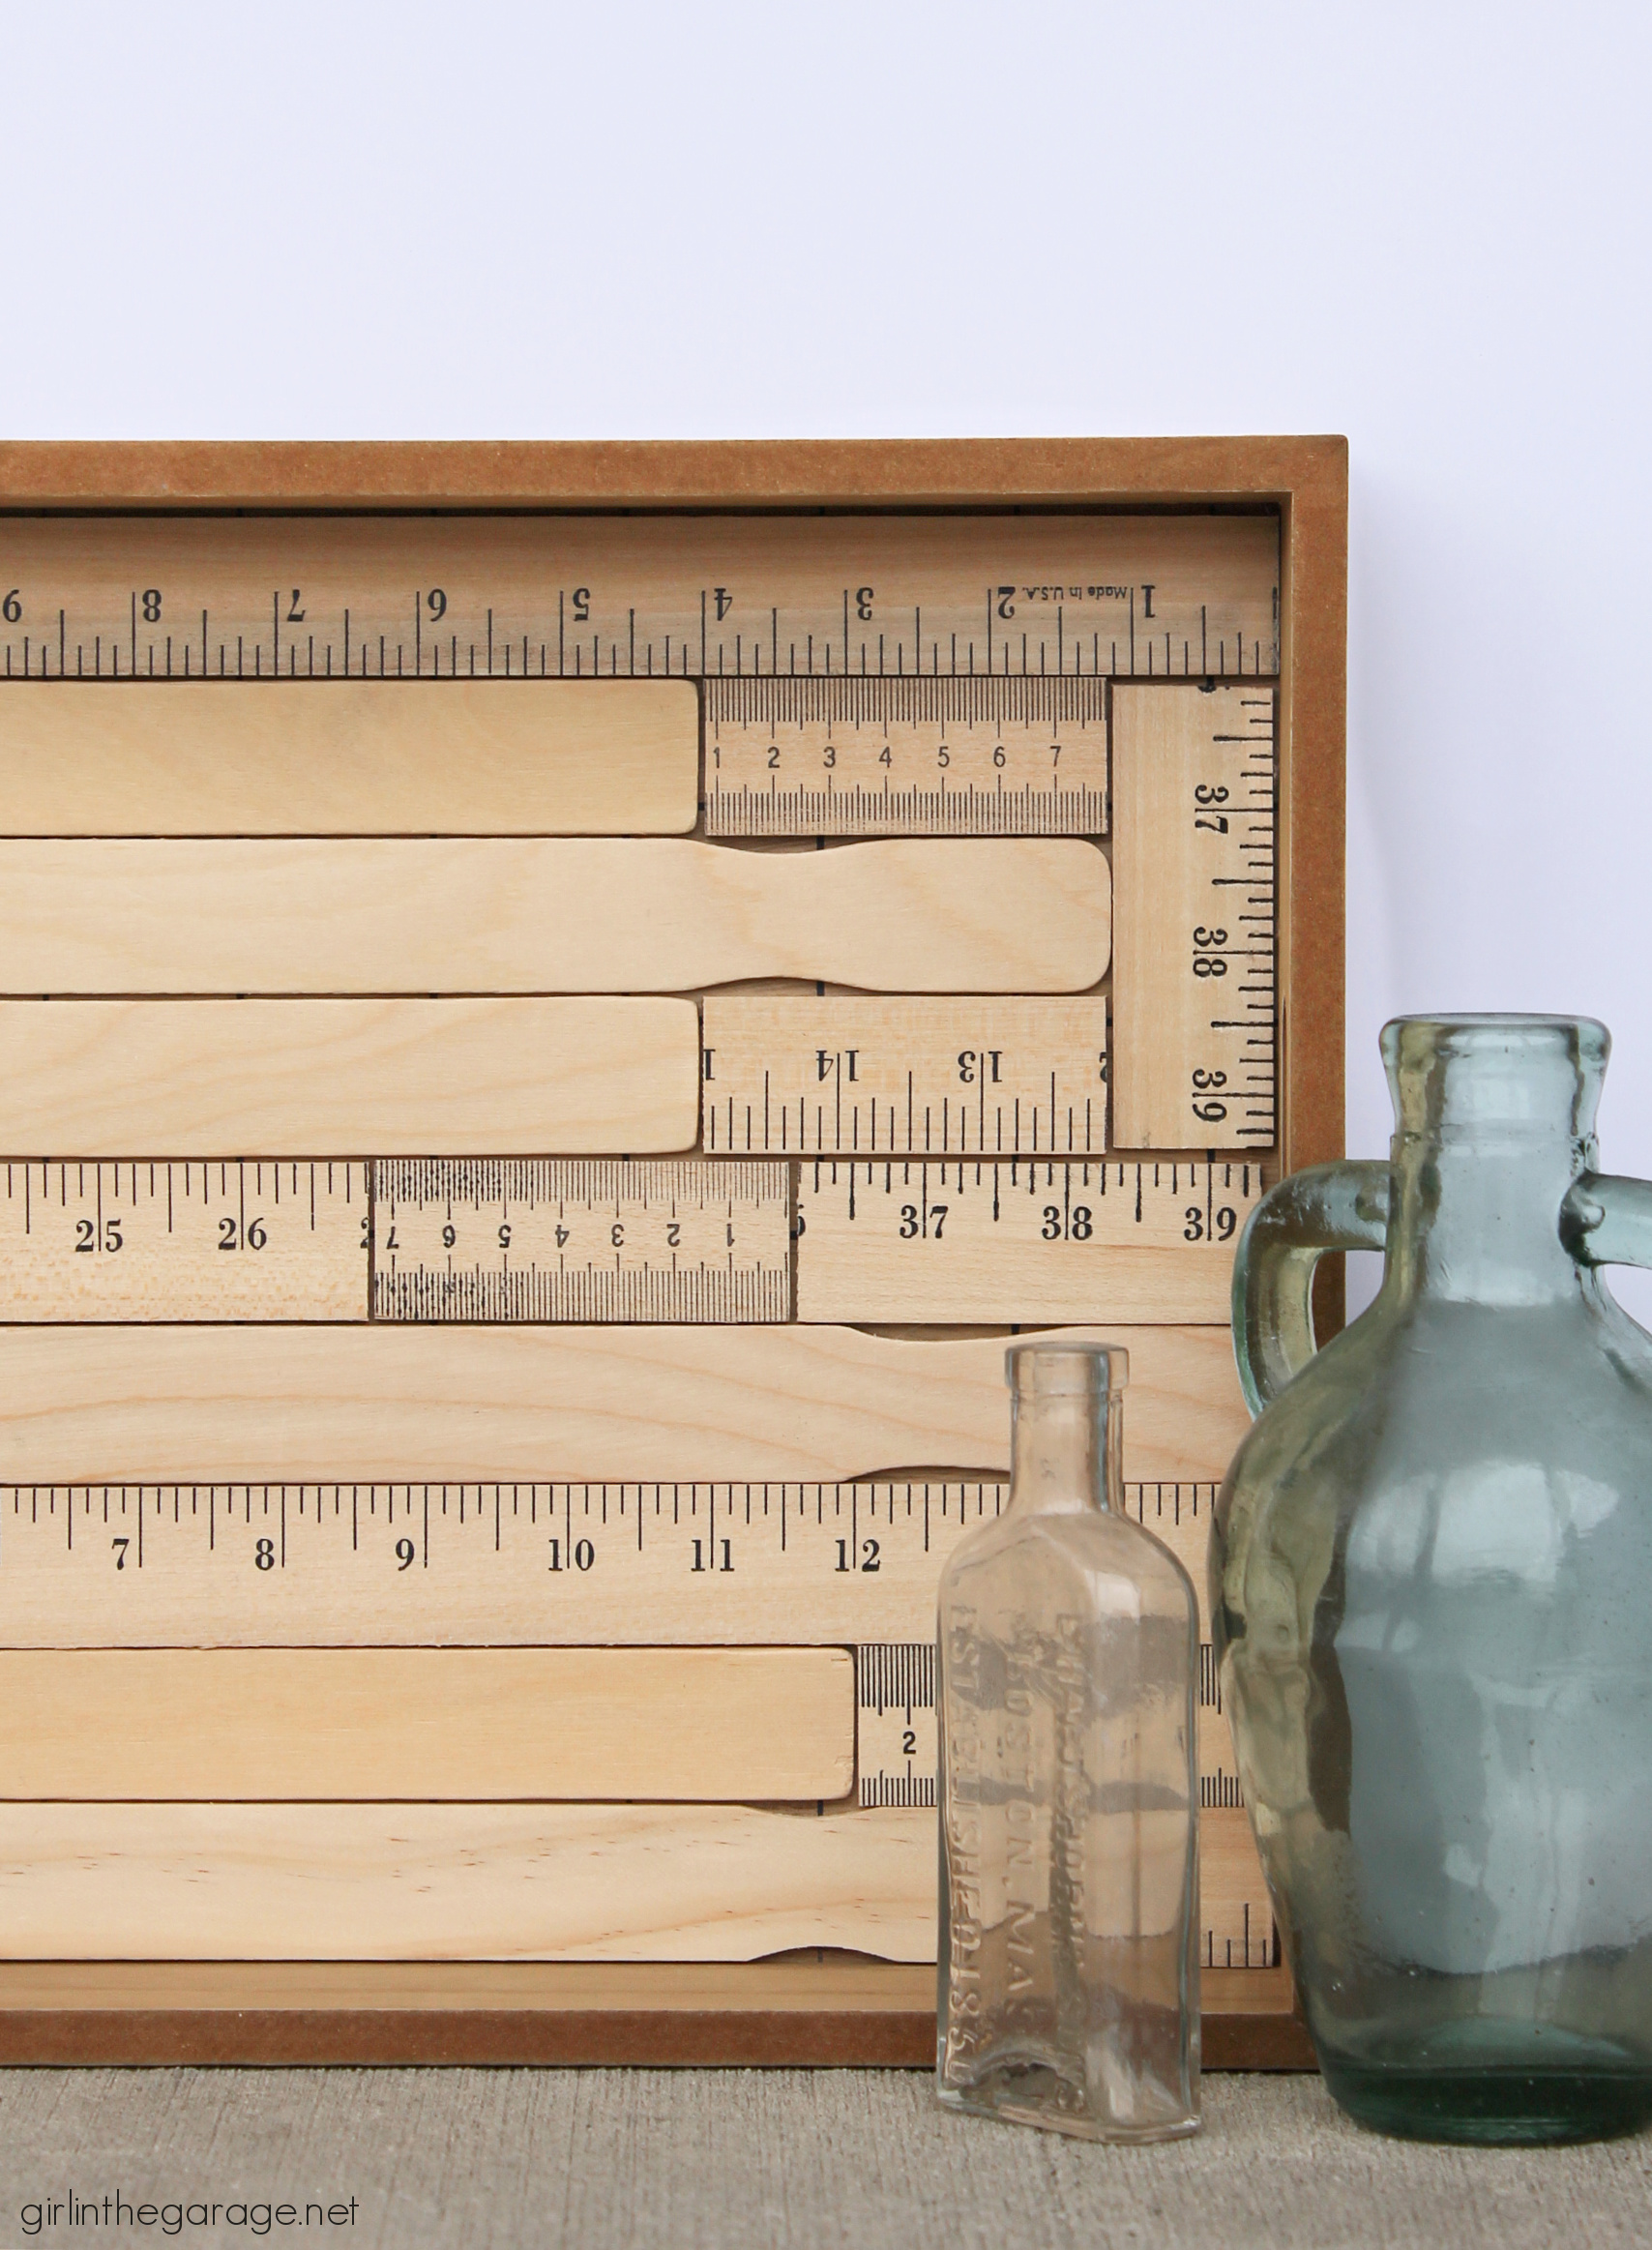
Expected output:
(1495, 1118)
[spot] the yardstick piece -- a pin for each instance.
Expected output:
(511, 1882)
(1194, 980)
(525, 1564)
(547, 915)
(893, 1239)
(378, 757)
(390, 1078)
(806, 1076)
(433, 1724)
(445, 1404)
(599, 596)
(405, 1238)
(185, 1240)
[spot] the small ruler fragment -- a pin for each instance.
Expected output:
(1193, 968)
(235, 1240)
(478, 1239)
(893, 1239)
(947, 755)
(795, 1075)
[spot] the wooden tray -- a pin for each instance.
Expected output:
(821, 2006)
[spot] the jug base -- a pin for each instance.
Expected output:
(1500, 2106)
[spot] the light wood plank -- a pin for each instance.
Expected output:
(721, 580)
(784, 1985)
(684, 1725)
(1194, 1046)
(365, 1882)
(226, 1404)
(386, 1077)
(159, 1566)
(359, 757)
(505, 1882)
(899, 1240)
(794, 1075)
(789, 1984)
(548, 915)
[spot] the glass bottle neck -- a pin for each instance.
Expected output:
(1066, 1456)
(1475, 1217)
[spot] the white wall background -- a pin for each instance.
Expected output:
(1426, 226)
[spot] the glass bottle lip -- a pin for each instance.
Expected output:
(1066, 1370)
(1520, 1074)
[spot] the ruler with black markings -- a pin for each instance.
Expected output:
(602, 596)
(895, 1239)
(395, 1239)
(947, 755)
(550, 1564)
(785, 1075)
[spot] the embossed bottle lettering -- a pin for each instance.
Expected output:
(1069, 1971)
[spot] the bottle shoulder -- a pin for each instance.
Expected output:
(1120, 1562)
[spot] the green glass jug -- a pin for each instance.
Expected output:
(1432, 1593)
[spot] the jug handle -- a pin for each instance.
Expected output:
(1607, 1220)
(1329, 1206)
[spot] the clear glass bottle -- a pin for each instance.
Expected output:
(1432, 1593)
(1069, 1878)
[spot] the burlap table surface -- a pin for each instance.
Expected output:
(769, 2159)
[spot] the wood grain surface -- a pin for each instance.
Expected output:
(795, 1075)
(653, 593)
(380, 1077)
(209, 1404)
(905, 1240)
(684, 1725)
(415, 1881)
(1298, 484)
(547, 915)
(1195, 1033)
(503, 1882)
(359, 757)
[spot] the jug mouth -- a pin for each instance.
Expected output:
(1538, 1075)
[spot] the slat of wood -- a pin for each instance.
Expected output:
(1195, 1039)
(521, 1563)
(231, 1404)
(570, 1882)
(789, 1985)
(798, 1076)
(360, 1882)
(908, 1241)
(548, 915)
(633, 593)
(386, 1077)
(683, 1725)
(370, 758)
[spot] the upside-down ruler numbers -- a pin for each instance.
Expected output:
(902, 1156)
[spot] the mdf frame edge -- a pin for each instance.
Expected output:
(853, 2012)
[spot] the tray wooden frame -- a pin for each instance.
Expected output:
(803, 2009)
